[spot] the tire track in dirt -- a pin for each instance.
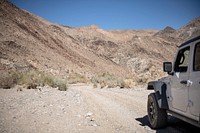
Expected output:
(117, 111)
(121, 108)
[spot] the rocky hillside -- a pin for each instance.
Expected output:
(28, 41)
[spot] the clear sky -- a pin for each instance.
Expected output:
(115, 14)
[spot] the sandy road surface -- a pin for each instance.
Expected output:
(81, 109)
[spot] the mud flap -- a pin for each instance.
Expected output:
(160, 92)
(162, 98)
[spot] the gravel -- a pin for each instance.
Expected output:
(79, 109)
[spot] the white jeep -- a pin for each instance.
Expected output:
(177, 94)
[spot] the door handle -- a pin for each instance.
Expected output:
(184, 82)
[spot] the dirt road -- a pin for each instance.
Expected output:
(81, 109)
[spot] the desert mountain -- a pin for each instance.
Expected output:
(190, 30)
(28, 41)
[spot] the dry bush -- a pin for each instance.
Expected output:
(128, 83)
(74, 78)
(106, 79)
(7, 80)
(61, 84)
(33, 78)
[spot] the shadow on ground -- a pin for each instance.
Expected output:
(174, 126)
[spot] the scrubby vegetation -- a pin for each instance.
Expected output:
(32, 79)
(7, 80)
(111, 81)
(74, 78)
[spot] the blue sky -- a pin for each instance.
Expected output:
(115, 14)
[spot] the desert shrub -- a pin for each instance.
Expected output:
(74, 78)
(32, 79)
(106, 79)
(47, 79)
(61, 84)
(7, 80)
(128, 83)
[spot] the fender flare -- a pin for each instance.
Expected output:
(160, 93)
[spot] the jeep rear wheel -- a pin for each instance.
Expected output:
(157, 117)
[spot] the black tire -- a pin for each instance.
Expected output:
(157, 117)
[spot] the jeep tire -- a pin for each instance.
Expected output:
(157, 117)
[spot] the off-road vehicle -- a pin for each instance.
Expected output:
(177, 94)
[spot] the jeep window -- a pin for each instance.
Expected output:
(196, 65)
(182, 60)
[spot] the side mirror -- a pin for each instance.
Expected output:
(167, 67)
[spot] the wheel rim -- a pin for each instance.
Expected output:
(152, 111)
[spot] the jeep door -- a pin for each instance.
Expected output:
(179, 88)
(194, 89)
